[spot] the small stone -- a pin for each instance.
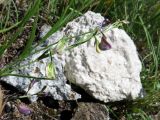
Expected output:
(8, 107)
(91, 111)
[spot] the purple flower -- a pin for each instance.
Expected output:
(23, 109)
(104, 45)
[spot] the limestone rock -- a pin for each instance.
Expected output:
(110, 75)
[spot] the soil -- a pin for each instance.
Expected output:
(46, 108)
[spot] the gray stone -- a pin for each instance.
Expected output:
(56, 88)
(91, 111)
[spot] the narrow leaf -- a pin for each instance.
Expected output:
(27, 50)
(29, 14)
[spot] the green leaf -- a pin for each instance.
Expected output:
(28, 48)
(50, 70)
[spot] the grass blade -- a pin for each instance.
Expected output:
(28, 48)
(29, 14)
(8, 29)
(151, 47)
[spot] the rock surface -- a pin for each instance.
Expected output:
(110, 75)
(91, 111)
(56, 88)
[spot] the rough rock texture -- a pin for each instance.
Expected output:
(110, 75)
(56, 88)
(91, 111)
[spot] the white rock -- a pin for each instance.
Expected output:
(110, 75)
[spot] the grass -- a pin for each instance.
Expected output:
(143, 27)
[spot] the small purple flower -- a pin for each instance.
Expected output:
(23, 109)
(104, 45)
